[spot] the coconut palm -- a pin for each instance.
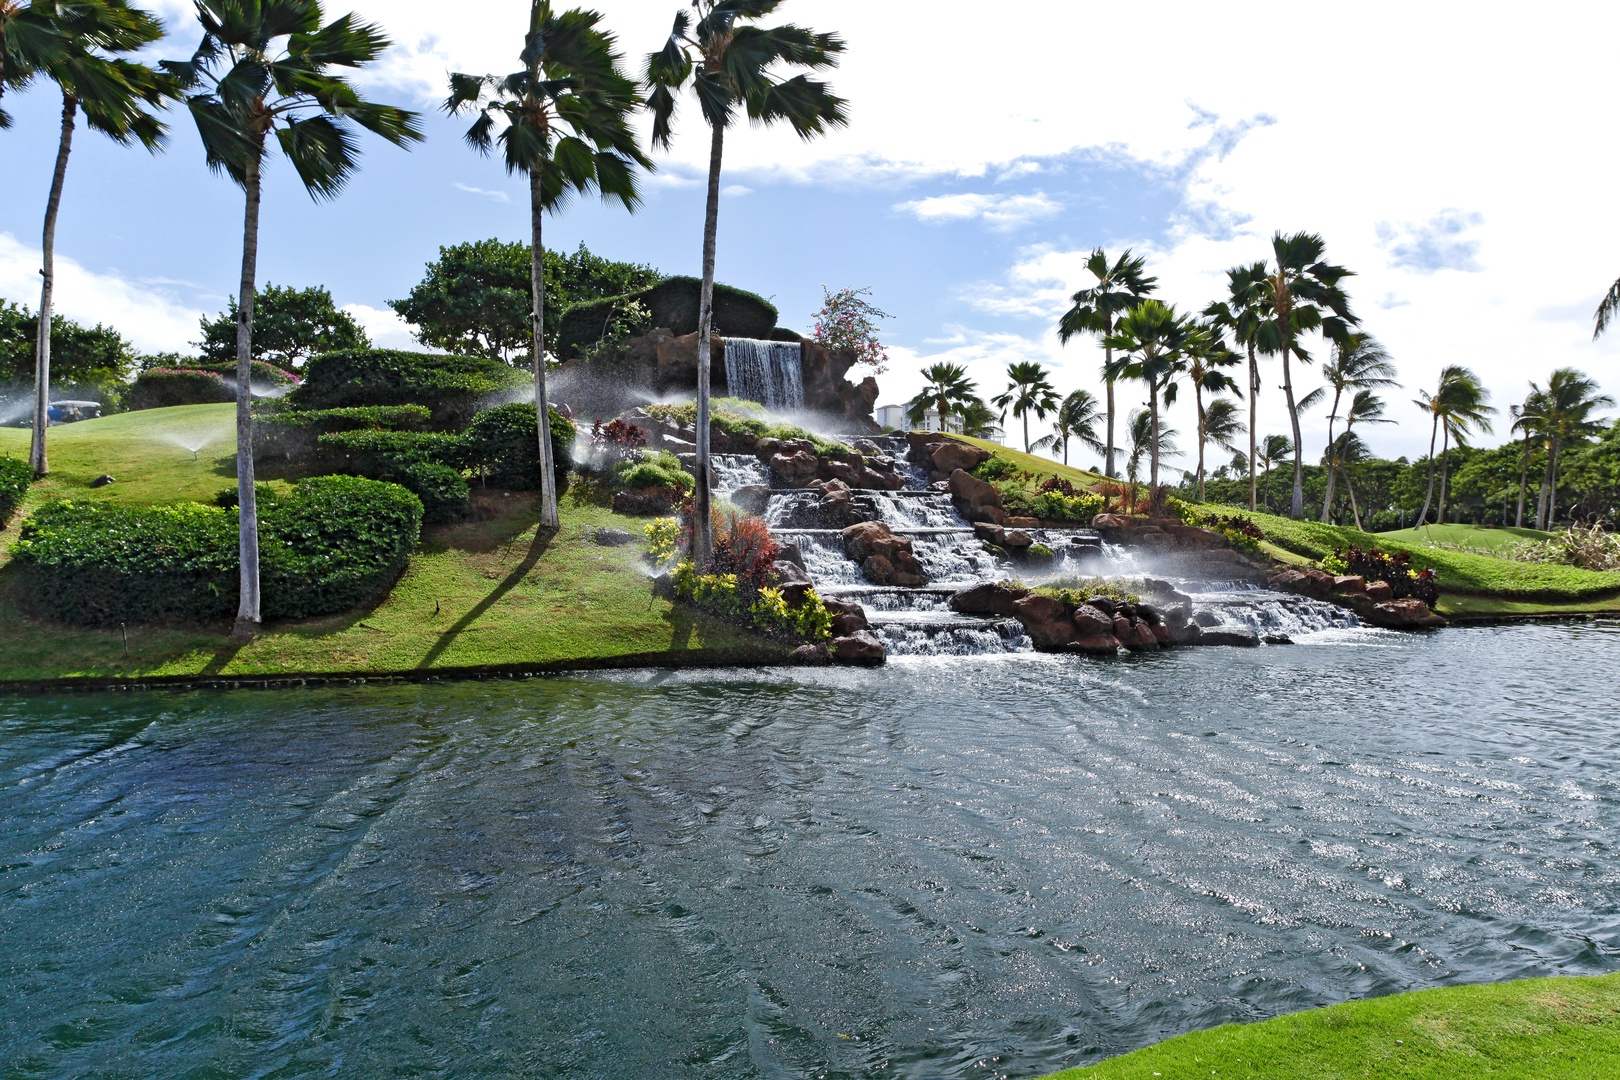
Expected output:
(1239, 315)
(1563, 415)
(77, 47)
(1302, 294)
(1347, 450)
(1365, 408)
(1028, 391)
(1358, 362)
(563, 121)
(1152, 340)
(1607, 310)
(1222, 424)
(978, 420)
(946, 390)
(1148, 438)
(1121, 284)
(268, 66)
(1458, 405)
(1207, 355)
(1527, 420)
(1076, 419)
(1274, 450)
(733, 65)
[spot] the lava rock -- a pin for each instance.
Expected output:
(102, 481)
(1016, 540)
(990, 533)
(991, 598)
(1095, 645)
(1278, 639)
(1380, 592)
(859, 649)
(811, 656)
(1047, 621)
(751, 498)
(644, 502)
(794, 468)
(611, 537)
(949, 456)
(1345, 586)
(1091, 622)
(975, 499)
(1240, 637)
(1408, 614)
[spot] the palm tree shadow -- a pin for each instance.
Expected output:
(542, 541)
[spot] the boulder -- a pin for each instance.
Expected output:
(1023, 523)
(1161, 634)
(991, 598)
(989, 533)
(644, 502)
(1122, 628)
(1380, 592)
(922, 444)
(860, 649)
(1047, 621)
(791, 553)
(1104, 604)
(1345, 586)
(1016, 540)
(811, 656)
(1289, 580)
(975, 499)
(885, 558)
(1408, 614)
(1196, 539)
(611, 537)
(949, 456)
(1186, 634)
(794, 468)
(1240, 637)
(1095, 645)
(751, 498)
(1090, 622)
(848, 618)
(1278, 639)
(1117, 522)
(1141, 637)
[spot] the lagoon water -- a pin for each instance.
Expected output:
(954, 867)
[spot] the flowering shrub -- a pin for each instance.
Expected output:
(663, 539)
(1239, 531)
(1074, 591)
(997, 468)
(1396, 568)
(1049, 498)
(618, 438)
(847, 320)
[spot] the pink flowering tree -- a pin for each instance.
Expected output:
(848, 320)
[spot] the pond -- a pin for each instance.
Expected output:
(952, 867)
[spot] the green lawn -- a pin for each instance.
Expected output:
(1036, 464)
(1468, 536)
(485, 594)
(1535, 1029)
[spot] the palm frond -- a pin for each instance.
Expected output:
(1607, 310)
(323, 152)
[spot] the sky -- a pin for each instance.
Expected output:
(1457, 159)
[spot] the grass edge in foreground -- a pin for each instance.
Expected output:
(1564, 1028)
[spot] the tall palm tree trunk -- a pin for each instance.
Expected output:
(1198, 398)
(1026, 431)
(702, 530)
(1544, 497)
(1556, 459)
(1254, 400)
(1524, 480)
(1333, 459)
(1355, 511)
(249, 609)
(1108, 385)
(1428, 498)
(1298, 504)
(37, 459)
(1445, 475)
(549, 518)
(1153, 442)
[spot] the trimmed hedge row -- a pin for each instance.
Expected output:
(332, 545)
(453, 388)
(288, 435)
(15, 479)
(674, 304)
(163, 388)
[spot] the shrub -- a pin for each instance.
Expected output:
(1396, 568)
(443, 491)
(671, 304)
(263, 374)
(332, 544)
(744, 547)
(996, 468)
(1589, 547)
(454, 388)
(663, 539)
(1053, 499)
(228, 498)
(163, 388)
(810, 620)
(15, 479)
(659, 469)
(735, 417)
(290, 435)
(1075, 591)
(618, 438)
(1239, 531)
(503, 444)
(385, 455)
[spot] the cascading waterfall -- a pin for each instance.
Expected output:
(733, 471)
(769, 372)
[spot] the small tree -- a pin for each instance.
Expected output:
(848, 320)
(1028, 391)
(946, 390)
(289, 326)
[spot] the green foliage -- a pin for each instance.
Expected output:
(721, 593)
(162, 389)
(672, 304)
(455, 388)
(330, 546)
(996, 468)
(766, 608)
(384, 455)
(657, 469)
(442, 489)
(263, 373)
(15, 479)
(503, 444)
(1049, 498)
(663, 539)
(289, 326)
(1074, 591)
(288, 434)
(810, 621)
(736, 417)
(86, 362)
(477, 297)
(1589, 547)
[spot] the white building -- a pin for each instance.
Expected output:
(894, 416)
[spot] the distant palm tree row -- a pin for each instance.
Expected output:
(563, 120)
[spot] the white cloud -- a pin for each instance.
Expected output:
(736, 191)
(1000, 212)
(498, 196)
(145, 314)
(384, 327)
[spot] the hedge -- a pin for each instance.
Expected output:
(262, 373)
(674, 306)
(15, 479)
(163, 388)
(503, 444)
(453, 388)
(290, 435)
(333, 544)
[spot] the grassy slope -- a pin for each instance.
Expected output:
(1547, 1029)
(1476, 584)
(481, 594)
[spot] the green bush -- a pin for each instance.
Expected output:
(263, 373)
(657, 469)
(15, 479)
(164, 388)
(444, 493)
(503, 444)
(454, 388)
(385, 455)
(335, 542)
(736, 417)
(673, 305)
(291, 435)
(996, 468)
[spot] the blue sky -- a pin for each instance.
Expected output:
(1469, 202)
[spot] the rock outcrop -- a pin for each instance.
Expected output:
(1374, 602)
(859, 649)
(885, 559)
(975, 499)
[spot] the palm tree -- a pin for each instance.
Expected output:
(267, 66)
(1564, 415)
(1221, 424)
(946, 390)
(1028, 391)
(1359, 363)
(75, 45)
(1076, 419)
(1239, 315)
(1302, 294)
(1121, 285)
(1527, 419)
(1148, 438)
(1274, 450)
(1365, 408)
(732, 64)
(1607, 310)
(567, 128)
(978, 420)
(1152, 338)
(1459, 404)
(1207, 354)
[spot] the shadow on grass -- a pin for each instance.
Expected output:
(537, 549)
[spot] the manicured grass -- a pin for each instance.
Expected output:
(1036, 464)
(1535, 1029)
(1468, 536)
(484, 594)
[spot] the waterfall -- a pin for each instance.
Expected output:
(769, 372)
(733, 471)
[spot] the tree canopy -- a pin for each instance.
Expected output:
(95, 359)
(289, 326)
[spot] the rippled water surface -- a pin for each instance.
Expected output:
(967, 867)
